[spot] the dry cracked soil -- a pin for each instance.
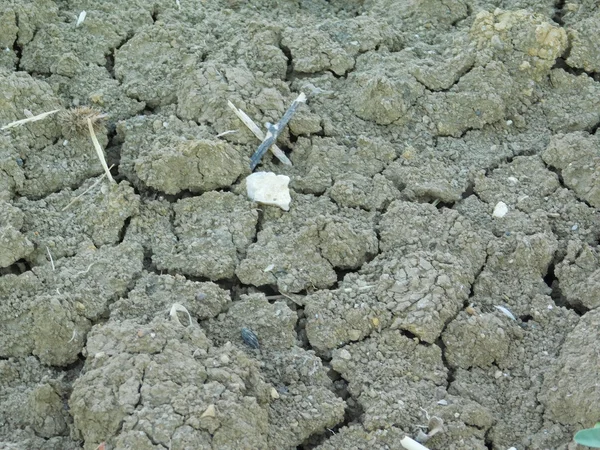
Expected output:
(439, 262)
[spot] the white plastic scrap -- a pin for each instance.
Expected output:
(500, 210)
(269, 189)
(179, 307)
(505, 311)
(81, 18)
(411, 444)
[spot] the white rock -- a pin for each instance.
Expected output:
(269, 189)
(500, 209)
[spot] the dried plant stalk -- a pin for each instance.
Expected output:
(256, 131)
(29, 119)
(99, 150)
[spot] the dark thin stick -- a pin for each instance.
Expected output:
(273, 132)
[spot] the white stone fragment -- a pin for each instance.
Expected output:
(500, 210)
(269, 189)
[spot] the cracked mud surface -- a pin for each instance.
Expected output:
(389, 291)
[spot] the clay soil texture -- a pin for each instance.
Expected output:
(439, 264)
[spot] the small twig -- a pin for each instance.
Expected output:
(29, 119)
(256, 131)
(99, 150)
(274, 131)
(51, 260)
(88, 189)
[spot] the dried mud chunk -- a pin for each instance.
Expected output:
(98, 220)
(478, 341)
(319, 162)
(98, 413)
(419, 293)
(52, 323)
(423, 178)
(94, 86)
(213, 232)
(439, 73)
(573, 399)
(481, 97)
(410, 227)
(514, 271)
(182, 144)
(66, 164)
(202, 96)
(579, 276)
(391, 366)
(295, 257)
(132, 368)
(292, 248)
(383, 98)
(12, 175)
(314, 51)
(357, 191)
(523, 184)
(347, 243)
(32, 410)
(8, 38)
(154, 295)
(157, 58)
(527, 43)
(573, 103)
(584, 51)
(13, 244)
(63, 49)
(20, 92)
(273, 324)
(422, 291)
(194, 165)
(577, 156)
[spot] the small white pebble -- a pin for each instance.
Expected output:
(500, 210)
(269, 268)
(497, 374)
(443, 402)
(574, 227)
(509, 122)
(513, 180)
(345, 354)
(550, 307)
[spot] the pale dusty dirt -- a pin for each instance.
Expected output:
(389, 291)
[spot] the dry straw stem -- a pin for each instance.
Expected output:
(256, 131)
(29, 119)
(87, 190)
(99, 150)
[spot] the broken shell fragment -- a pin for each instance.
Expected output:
(269, 189)
(250, 338)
